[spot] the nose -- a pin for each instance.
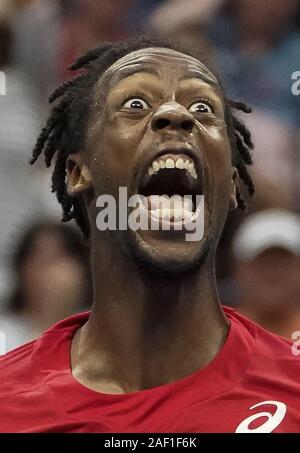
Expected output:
(173, 116)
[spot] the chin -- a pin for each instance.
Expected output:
(166, 256)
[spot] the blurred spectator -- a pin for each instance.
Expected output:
(138, 15)
(90, 22)
(267, 270)
(170, 15)
(186, 24)
(19, 125)
(36, 29)
(52, 281)
(258, 49)
(274, 150)
(276, 161)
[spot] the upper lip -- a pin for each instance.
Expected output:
(171, 148)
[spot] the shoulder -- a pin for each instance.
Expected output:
(25, 367)
(271, 354)
(17, 364)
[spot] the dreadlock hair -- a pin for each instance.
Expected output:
(65, 130)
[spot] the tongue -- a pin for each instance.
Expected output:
(173, 208)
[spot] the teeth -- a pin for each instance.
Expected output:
(155, 166)
(192, 171)
(191, 168)
(170, 163)
(172, 214)
(194, 174)
(179, 163)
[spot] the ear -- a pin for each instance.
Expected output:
(78, 176)
(233, 204)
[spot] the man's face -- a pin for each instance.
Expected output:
(162, 131)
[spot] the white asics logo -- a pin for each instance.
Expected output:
(268, 426)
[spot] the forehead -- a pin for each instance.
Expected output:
(155, 60)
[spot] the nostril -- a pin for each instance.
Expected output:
(162, 123)
(187, 125)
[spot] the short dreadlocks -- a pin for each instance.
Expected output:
(65, 130)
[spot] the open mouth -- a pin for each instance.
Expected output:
(171, 185)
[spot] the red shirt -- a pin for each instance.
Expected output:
(252, 384)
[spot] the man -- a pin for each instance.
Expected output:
(267, 269)
(157, 353)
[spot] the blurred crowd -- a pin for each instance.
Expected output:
(255, 45)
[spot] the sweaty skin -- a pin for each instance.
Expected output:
(156, 316)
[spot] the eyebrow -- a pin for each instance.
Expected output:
(130, 70)
(210, 79)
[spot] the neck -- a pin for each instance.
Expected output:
(144, 330)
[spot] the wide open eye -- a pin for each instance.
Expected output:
(136, 103)
(201, 107)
